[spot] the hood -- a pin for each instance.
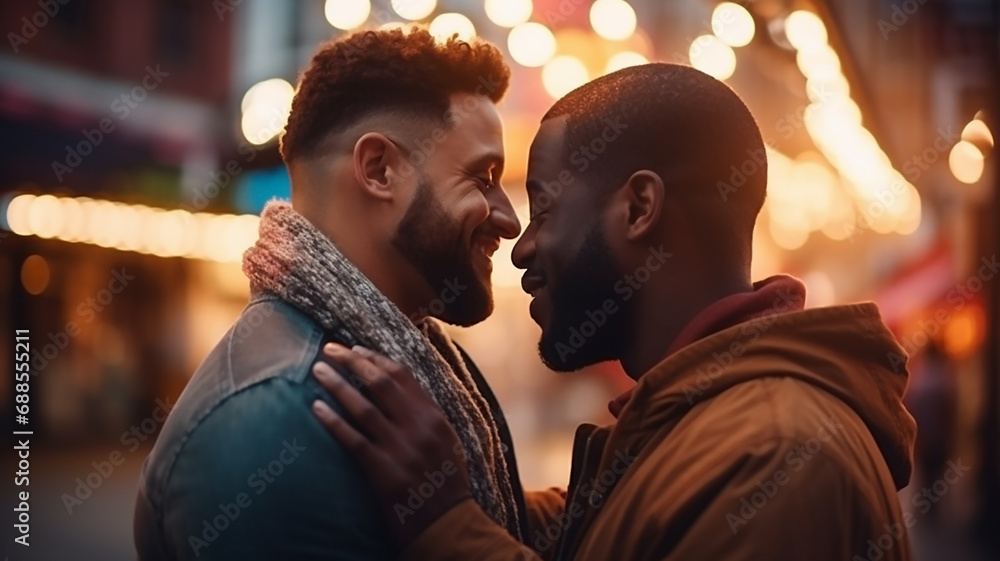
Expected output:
(846, 351)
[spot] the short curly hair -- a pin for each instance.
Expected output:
(369, 72)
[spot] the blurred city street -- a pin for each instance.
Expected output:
(139, 143)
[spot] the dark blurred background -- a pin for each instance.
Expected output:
(138, 143)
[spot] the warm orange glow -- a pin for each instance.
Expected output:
(35, 274)
(964, 332)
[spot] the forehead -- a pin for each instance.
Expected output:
(475, 126)
(545, 157)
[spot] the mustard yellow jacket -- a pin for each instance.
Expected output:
(783, 437)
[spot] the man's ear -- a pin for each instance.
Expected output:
(377, 163)
(643, 197)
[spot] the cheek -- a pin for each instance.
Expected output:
(548, 240)
(473, 211)
(560, 241)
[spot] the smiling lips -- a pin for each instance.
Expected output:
(532, 285)
(488, 246)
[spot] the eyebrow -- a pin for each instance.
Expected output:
(488, 158)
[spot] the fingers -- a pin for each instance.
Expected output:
(408, 402)
(396, 396)
(380, 375)
(398, 372)
(351, 439)
(367, 416)
(356, 360)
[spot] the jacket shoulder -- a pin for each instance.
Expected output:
(740, 468)
(260, 478)
(781, 420)
(242, 416)
(269, 340)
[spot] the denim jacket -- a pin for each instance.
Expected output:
(243, 470)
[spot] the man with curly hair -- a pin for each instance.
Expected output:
(395, 151)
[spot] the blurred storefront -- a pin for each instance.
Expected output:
(139, 142)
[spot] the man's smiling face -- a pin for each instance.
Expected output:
(459, 212)
(571, 271)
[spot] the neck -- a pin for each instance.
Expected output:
(662, 315)
(372, 259)
(338, 221)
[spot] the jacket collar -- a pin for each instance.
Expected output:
(773, 295)
(844, 350)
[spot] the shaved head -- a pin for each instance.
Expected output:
(674, 120)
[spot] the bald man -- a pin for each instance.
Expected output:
(757, 429)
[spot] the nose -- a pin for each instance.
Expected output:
(502, 214)
(524, 250)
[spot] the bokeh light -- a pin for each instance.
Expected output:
(964, 331)
(394, 25)
(820, 290)
(966, 162)
(509, 13)
(713, 57)
(613, 19)
(805, 30)
(564, 74)
(787, 238)
(45, 216)
(17, 214)
(531, 44)
(35, 274)
(818, 61)
(977, 132)
(446, 25)
(347, 14)
(413, 9)
(624, 59)
(266, 106)
(138, 228)
(733, 24)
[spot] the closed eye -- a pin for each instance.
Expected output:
(486, 183)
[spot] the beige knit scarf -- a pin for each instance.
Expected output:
(296, 262)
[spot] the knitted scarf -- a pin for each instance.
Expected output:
(296, 262)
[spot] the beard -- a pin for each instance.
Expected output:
(581, 332)
(432, 241)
